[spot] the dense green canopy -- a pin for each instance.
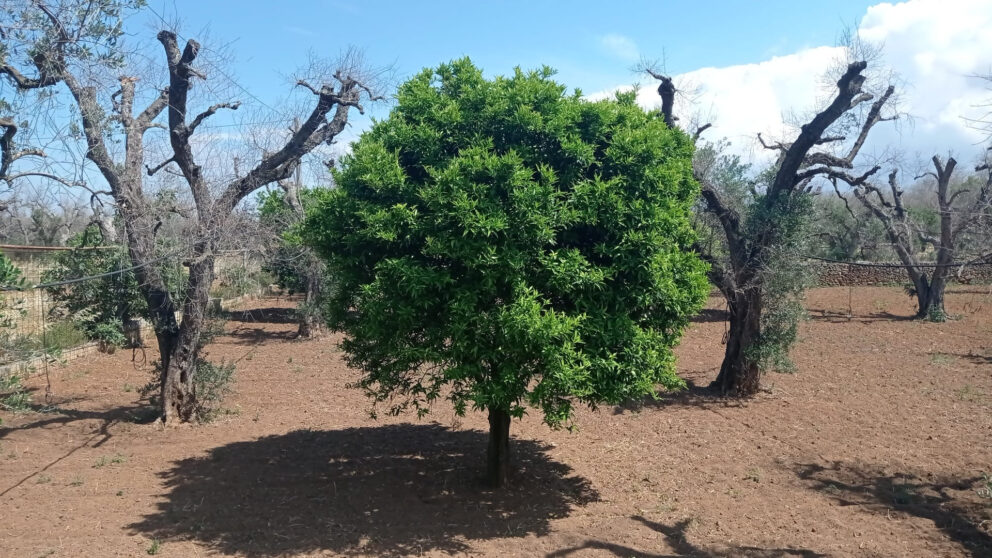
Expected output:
(503, 243)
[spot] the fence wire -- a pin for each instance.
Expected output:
(36, 330)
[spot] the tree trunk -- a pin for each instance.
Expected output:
(930, 299)
(498, 454)
(179, 401)
(311, 317)
(739, 373)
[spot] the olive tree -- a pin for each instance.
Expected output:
(825, 147)
(502, 244)
(955, 219)
(74, 47)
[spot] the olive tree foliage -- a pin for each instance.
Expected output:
(294, 264)
(503, 244)
(842, 232)
(76, 47)
(760, 223)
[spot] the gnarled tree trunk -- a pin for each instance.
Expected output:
(179, 401)
(930, 296)
(739, 373)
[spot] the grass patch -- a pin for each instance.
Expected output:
(941, 359)
(115, 459)
(968, 393)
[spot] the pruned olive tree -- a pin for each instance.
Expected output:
(501, 243)
(959, 210)
(72, 46)
(751, 238)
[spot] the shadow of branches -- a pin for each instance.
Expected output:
(386, 490)
(711, 315)
(274, 315)
(692, 396)
(675, 537)
(952, 504)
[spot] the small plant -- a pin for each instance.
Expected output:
(155, 547)
(115, 459)
(14, 397)
(941, 359)
(968, 393)
(109, 334)
(43, 479)
(753, 474)
(77, 481)
(212, 383)
(936, 314)
(903, 494)
(985, 490)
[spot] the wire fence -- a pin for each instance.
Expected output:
(36, 326)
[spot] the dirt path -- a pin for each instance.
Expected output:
(875, 448)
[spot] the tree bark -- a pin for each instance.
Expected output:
(179, 401)
(739, 373)
(311, 321)
(930, 298)
(498, 454)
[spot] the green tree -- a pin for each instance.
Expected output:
(501, 243)
(294, 264)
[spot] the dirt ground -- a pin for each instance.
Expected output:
(875, 447)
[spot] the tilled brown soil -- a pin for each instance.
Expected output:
(876, 447)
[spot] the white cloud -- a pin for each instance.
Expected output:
(620, 46)
(936, 48)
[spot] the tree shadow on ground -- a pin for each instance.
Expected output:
(676, 538)
(243, 335)
(974, 358)
(708, 315)
(692, 396)
(952, 504)
(55, 414)
(386, 490)
(50, 415)
(840, 316)
(274, 315)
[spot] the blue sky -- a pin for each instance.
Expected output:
(270, 39)
(750, 66)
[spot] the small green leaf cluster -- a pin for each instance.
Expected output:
(11, 280)
(502, 243)
(289, 261)
(101, 306)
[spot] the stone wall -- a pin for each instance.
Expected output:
(845, 275)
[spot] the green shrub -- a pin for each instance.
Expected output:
(14, 396)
